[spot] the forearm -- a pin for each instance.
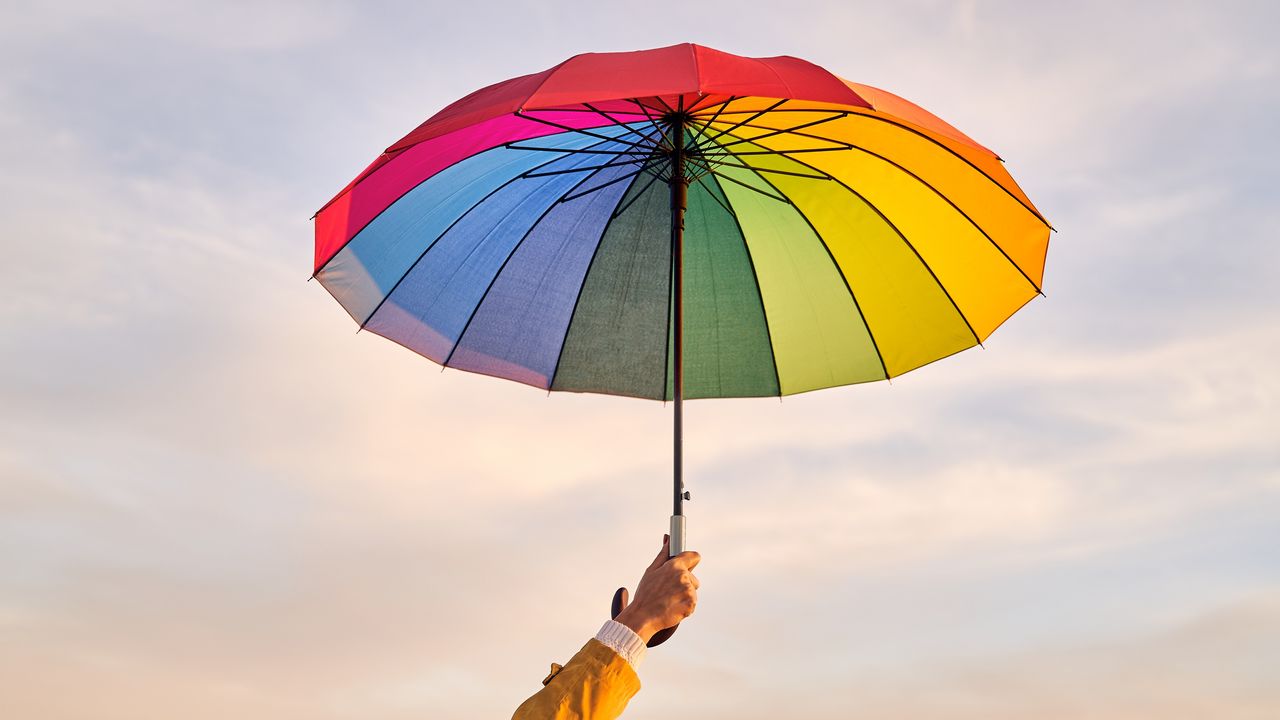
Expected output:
(596, 684)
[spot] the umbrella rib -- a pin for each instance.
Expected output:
(602, 186)
(652, 121)
(644, 167)
(787, 110)
(713, 154)
(905, 241)
(874, 115)
(647, 137)
(701, 128)
(700, 112)
(587, 108)
(623, 208)
(781, 199)
(642, 160)
(962, 213)
(781, 131)
(823, 176)
(514, 249)
(586, 273)
(694, 107)
(852, 296)
(415, 187)
(699, 146)
(575, 151)
(585, 168)
(850, 146)
(768, 331)
(698, 180)
(719, 110)
(432, 244)
(566, 108)
(840, 144)
(771, 108)
(966, 160)
(666, 105)
(879, 117)
(940, 194)
(699, 163)
(523, 114)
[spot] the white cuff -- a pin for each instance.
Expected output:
(624, 641)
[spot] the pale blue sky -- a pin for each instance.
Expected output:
(217, 500)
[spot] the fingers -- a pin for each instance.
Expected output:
(688, 580)
(689, 601)
(686, 560)
(662, 554)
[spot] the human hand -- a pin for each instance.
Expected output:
(666, 594)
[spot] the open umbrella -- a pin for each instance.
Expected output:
(682, 223)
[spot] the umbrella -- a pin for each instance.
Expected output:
(683, 223)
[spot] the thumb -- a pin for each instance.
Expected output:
(663, 554)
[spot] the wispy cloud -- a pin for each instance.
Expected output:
(217, 499)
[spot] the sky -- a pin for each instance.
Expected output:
(217, 500)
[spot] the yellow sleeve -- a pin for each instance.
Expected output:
(595, 684)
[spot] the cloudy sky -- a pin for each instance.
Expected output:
(217, 500)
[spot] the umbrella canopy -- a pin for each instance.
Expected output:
(834, 233)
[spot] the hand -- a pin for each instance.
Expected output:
(667, 593)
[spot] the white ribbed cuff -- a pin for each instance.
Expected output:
(624, 641)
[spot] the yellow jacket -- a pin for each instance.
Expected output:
(595, 684)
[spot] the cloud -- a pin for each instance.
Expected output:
(217, 499)
(1208, 664)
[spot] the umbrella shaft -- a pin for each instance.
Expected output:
(679, 201)
(679, 190)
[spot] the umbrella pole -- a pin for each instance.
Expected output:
(679, 184)
(679, 202)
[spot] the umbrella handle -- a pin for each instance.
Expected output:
(675, 546)
(662, 635)
(620, 601)
(675, 542)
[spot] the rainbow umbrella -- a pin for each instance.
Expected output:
(682, 223)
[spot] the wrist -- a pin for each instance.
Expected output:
(640, 625)
(624, 641)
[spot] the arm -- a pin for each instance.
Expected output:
(596, 684)
(599, 681)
